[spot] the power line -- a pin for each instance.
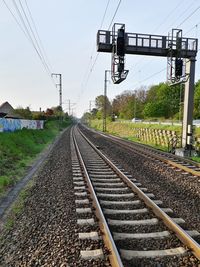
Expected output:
(88, 70)
(104, 14)
(114, 14)
(189, 16)
(39, 39)
(149, 77)
(27, 33)
(34, 37)
(97, 55)
(169, 14)
(15, 19)
(180, 15)
(194, 11)
(166, 18)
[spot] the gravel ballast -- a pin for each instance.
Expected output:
(45, 233)
(177, 191)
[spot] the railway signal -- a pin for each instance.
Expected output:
(181, 56)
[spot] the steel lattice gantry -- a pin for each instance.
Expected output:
(148, 44)
(173, 46)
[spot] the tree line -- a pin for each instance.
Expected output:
(159, 101)
(49, 113)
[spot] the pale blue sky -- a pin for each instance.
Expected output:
(68, 33)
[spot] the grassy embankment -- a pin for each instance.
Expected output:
(18, 150)
(125, 130)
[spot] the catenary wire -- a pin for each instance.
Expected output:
(13, 15)
(34, 37)
(97, 55)
(190, 15)
(88, 69)
(24, 29)
(39, 39)
(114, 14)
(193, 12)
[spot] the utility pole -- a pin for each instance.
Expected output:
(90, 105)
(59, 85)
(90, 109)
(70, 105)
(135, 106)
(105, 96)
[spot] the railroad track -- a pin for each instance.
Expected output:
(136, 228)
(174, 161)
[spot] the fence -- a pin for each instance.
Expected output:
(165, 138)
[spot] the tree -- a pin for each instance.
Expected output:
(129, 103)
(162, 101)
(197, 100)
(49, 112)
(57, 111)
(24, 112)
(86, 117)
(120, 102)
(155, 109)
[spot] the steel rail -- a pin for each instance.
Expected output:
(158, 155)
(181, 234)
(114, 256)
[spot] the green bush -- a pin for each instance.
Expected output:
(18, 149)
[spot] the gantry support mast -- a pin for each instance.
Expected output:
(180, 52)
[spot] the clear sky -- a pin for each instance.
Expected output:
(68, 30)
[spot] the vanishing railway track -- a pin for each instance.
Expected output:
(136, 227)
(174, 161)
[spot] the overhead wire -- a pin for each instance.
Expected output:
(13, 15)
(104, 15)
(190, 15)
(34, 38)
(115, 14)
(163, 22)
(39, 39)
(187, 9)
(95, 60)
(90, 70)
(28, 32)
(91, 57)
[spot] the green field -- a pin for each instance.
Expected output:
(126, 129)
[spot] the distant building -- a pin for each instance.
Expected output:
(7, 111)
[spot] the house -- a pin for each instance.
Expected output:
(7, 111)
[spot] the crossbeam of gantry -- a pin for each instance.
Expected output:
(150, 45)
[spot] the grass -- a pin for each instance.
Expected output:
(197, 159)
(18, 206)
(5, 181)
(134, 139)
(125, 130)
(18, 149)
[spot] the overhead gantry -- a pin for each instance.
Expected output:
(181, 56)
